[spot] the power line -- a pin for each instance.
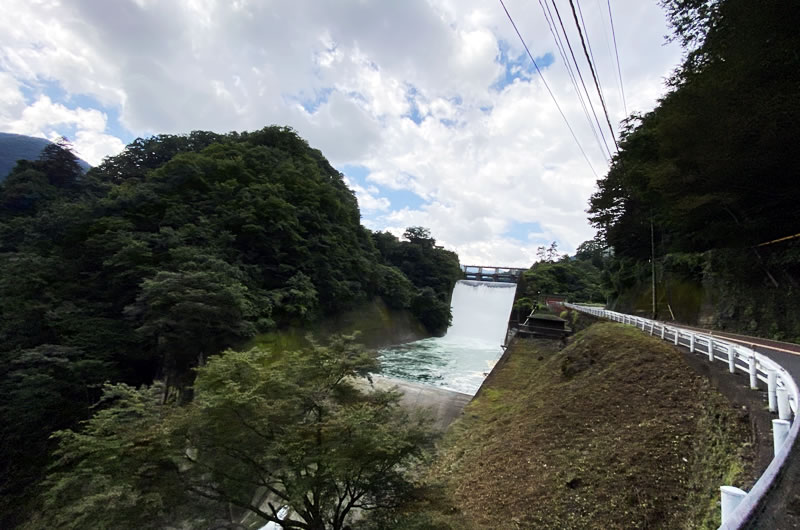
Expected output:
(589, 43)
(580, 76)
(594, 75)
(548, 87)
(560, 45)
(616, 53)
(600, 9)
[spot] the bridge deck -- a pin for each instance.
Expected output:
(492, 273)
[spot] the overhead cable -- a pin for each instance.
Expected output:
(589, 44)
(544, 82)
(594, 74)
(560, 45)
(580, 76)
(616, 53)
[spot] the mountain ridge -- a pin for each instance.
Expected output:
(14, 147)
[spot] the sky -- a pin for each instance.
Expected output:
(431, 109)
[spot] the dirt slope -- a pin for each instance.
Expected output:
(613, 431)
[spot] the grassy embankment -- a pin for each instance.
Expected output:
(613, 431)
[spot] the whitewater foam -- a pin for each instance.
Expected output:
(462, 358)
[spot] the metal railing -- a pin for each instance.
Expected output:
(738, 507)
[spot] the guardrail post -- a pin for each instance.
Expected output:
(753, 373)
(731, 360)
(710, 350)
(784, 411)
(652, 328)
(772, 385)
(663, 327)
(677, 336)
(780, 430)
(691, 343)
(731, 496)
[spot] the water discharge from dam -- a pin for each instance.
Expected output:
(461, 359)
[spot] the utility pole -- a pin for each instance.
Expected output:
(653, 266)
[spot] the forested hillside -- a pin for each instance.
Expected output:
(712, 175)
(14, 147)
(165, 255)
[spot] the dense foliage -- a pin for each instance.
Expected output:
(579, 277)
(264, 432)
(170, 252)
(429, 267)
(714, 164)
(712, 172)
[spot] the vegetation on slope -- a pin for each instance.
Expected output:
(579, 277)
(178, 248)
(614, 431)
(712, 171)
(265, 430)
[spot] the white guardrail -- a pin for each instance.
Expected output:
(738, 507)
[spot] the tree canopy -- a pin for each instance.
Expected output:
(713, 165)
(265, 431)
(174, 250)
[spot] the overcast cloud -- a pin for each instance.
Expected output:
(429, 108)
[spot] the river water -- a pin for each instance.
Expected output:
(464, 356)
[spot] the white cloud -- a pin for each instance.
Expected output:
(368, 200)
(482, 159)
(94, 146)
(46, 119)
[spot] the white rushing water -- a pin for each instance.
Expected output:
(463, 357)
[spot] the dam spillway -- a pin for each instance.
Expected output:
(461, 359)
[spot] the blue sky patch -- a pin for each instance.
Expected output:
(311, 104)
(402, 199)
(357, 174)
(519, 67)
(522, 231)
(399, 198)
(413, 114)
(57, 94)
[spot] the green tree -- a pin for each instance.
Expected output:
(45, 388)
(192, 313)
(712, 166)
(263, 432)
(433, 270)
(434, 313)
(122, 469)
(395, 288)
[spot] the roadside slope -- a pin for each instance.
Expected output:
(615, 430)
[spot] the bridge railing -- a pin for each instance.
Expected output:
(738, 507)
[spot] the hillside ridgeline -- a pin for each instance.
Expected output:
(167, 254)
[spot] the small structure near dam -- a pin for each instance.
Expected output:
(548, 326)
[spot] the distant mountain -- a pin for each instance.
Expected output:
(15, 147)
